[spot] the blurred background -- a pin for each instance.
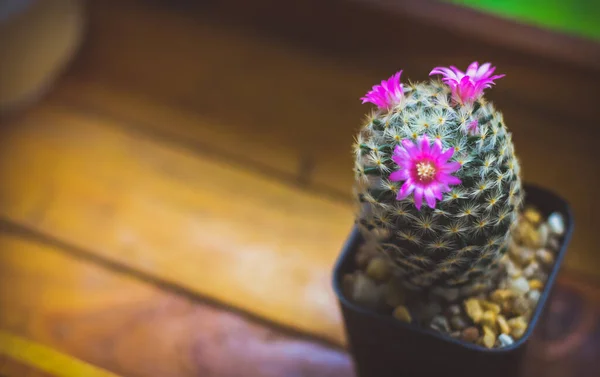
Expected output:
(175, 175)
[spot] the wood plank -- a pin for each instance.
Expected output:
(135, 329)
(170, 123)
(250, 242)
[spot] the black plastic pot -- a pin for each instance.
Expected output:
(382, 346)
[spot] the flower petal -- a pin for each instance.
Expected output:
(400, 175)
(388, 93)
(445, 156)
(437, 191)
(410, 148)
(472, 69)
(429, 197)
(418, 197)
(450, 167)
(447, 179)
(400, 156)
(407, 188)
(483, 71)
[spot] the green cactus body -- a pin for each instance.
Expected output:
(461, 240)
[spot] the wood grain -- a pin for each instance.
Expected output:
(247, 241)
(134, 329)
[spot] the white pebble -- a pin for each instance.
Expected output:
(533, 297)
(519, 285)
(545, 256)
(367, 292)
(505, 340)
(511, 269)
(531, 269)
(556, 223)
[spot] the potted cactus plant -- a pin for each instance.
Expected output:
(451, 258)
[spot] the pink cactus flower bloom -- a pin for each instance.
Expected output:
(467, 86)
(425, 170)
(386, 95)
(473, 127)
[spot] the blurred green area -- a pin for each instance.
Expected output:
(576, 17)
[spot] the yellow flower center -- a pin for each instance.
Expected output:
(425, 170)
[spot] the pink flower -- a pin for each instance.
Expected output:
(386, 95)
(469, 86)
(425, 170)
(473, 127)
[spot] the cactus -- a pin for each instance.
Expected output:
(436, 178)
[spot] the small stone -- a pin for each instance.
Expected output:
(518, 326)
(488, 319)
(505, 340)
(458, 322)
(523, 256)
(533, 296)
(527, 234)
(348, 284)
(447, 294)
(532, 240)
(535, 284)
(488, 305)
(401, 313)
(517, 333)
(520, 305)
(489, 337)
(544, 232)
(500, 296)
(395, 295)
(556, 223)
(511, 269)
(453, 310)
(503, 325)
(545, 257)
(470, 334)
(507, 307)
(440, 323)
(367, 293)
(531, 269)
(519, 285)
(473, 309)
(532, 215)
(379, 269)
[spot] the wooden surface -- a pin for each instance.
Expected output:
(52, 294)
(187, 154)
(250, 242)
